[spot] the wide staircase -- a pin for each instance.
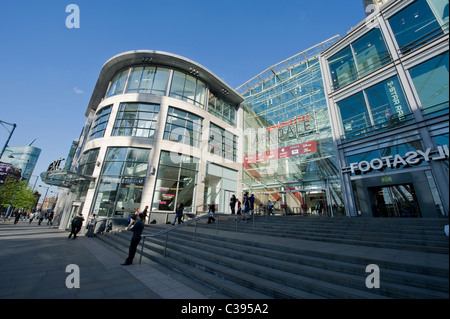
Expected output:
(303, 257)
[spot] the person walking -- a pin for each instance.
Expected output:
(77, 222)
(233, 204)
(211, 210)
(179, 214)
(19, 213)
(137, 228)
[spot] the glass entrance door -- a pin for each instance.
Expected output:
(395, 201)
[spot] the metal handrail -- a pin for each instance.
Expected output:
(168, 230)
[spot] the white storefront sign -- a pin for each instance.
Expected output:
(393, 161)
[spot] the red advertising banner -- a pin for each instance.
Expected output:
(284, 152)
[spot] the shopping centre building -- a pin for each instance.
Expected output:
(354, 126)
(161, 130)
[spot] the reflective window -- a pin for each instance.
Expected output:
(118, 83)
(221, 108)
(183, 127)
(431, 80)
(148, 80)
(363, 56)
(378, 107)
(222, 143)
(136, 119)
(122, 181)
(342, 68)
(188, 88)
(100, 123)
(354, 114)
(440, 9)
(176, 182)
(370, 52)
(415, 26)
(88, 162)
(387, 103)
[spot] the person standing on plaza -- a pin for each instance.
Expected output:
(145, 212)
(137, 228)
(233, 204)
(239, 212)
(246, 203)
(91, 225)
(252, 204)
(77, 222)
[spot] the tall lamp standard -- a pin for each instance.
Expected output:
(10, 134)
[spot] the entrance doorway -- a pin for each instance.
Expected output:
(394, 201)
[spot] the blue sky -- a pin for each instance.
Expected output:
(48, 72)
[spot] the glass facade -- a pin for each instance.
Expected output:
(358, 59)
(385, 158)
(187, 88)
(183, 127)
(150, 80)
(431, 80)
(417, 25)
(289, 154)
(136, 119)
(101, 121)
(381, 106)
(176, 182)
(222, 143)
(221, 108)
(122, 180)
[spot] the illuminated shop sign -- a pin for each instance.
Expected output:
(393, 161)
(294, 121)
(283, 152)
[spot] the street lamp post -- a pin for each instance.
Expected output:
(9, 137)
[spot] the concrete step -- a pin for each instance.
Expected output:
(240, 264)
(387, 233)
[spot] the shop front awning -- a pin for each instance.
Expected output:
(64, 178)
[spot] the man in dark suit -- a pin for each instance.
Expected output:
(137, 229)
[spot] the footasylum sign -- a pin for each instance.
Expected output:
(411, 158)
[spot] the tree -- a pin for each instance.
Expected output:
(17, 193)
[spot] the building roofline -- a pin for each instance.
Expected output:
(152, 57)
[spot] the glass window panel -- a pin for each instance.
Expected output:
(387, 102)
(189, 87)
(370, 52)
(160, 81)
(200, 94)
(177, 87)
(118, 83)
(414, 26)
(135, 79)
(440, 8)
(116, 154)
(147, 80)
(164, 195)
(431, 80)
(112, 168)
(342, 68)
(354, 114)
